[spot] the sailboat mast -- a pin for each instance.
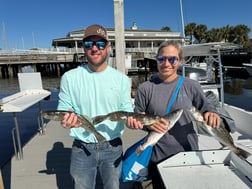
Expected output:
(5, 39)
(182, 19)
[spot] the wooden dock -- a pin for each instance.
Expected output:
(47, 158)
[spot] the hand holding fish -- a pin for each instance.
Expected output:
(133, 123)
(70, 120)
(213, 119)
(161, 126)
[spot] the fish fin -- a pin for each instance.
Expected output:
(242, 153)
(139, 150)
(100, 138)
(87, 118)
(200, 128)
(99, 119)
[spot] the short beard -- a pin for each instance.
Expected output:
(104, 59)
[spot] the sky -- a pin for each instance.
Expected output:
(29, 24)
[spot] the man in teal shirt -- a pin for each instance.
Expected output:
(95, 89)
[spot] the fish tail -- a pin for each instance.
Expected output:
(99, 119)
(242, 153)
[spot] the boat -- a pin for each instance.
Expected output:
(212, 166)
(248, 67)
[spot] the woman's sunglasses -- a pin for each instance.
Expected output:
(172, 59)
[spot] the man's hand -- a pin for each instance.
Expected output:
(70, 120)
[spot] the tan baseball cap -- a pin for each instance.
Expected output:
(95, 30)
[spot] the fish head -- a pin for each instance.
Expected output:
(54, 115)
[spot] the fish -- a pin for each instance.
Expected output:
(57, 115)
(221, 134)
(153, 137)
(123, 116)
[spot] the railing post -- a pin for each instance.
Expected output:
(20, 151)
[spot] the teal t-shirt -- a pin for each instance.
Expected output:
(95, 93)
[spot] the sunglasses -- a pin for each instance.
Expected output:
(172, 59)
(101, 45)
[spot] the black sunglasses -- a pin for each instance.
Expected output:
(101, 45)
(172, 59)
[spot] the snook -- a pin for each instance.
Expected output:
(221, 134)
(57, 115)
(153, 137)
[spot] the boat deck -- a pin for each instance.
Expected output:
(46, 161)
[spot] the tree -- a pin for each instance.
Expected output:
(226, 32)
(166, 28)
(241, 34)
(190, 30)
(200, 32)
(214, 35)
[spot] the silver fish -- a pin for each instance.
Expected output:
(153, 137)
(221, 134)
(123, 115)
(57, 115)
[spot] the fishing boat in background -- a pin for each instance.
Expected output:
(213, 166)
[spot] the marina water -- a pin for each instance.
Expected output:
(238, 92)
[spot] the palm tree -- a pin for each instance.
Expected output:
(241, 32)
(226, 30)
(189, 30)
(200, 32)
(166, 28)
(214, 35)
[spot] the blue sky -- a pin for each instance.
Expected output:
(34, 23)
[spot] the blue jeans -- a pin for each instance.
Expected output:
(88, 158)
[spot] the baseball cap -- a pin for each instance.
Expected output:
(96, 30)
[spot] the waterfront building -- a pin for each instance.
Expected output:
(139, 43)
(67, 52)
(136, 40)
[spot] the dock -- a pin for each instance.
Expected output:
(46, 160)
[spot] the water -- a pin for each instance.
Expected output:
(238, 92)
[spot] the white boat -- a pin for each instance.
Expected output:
(212, 166)
(248, 67)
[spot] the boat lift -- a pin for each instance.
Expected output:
(31, 92)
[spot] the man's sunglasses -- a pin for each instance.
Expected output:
(101, 45)
(172, 59)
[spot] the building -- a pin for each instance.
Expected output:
(139, 43)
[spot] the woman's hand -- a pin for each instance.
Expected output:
(212, 119)
(133, 123)
(160, 126)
